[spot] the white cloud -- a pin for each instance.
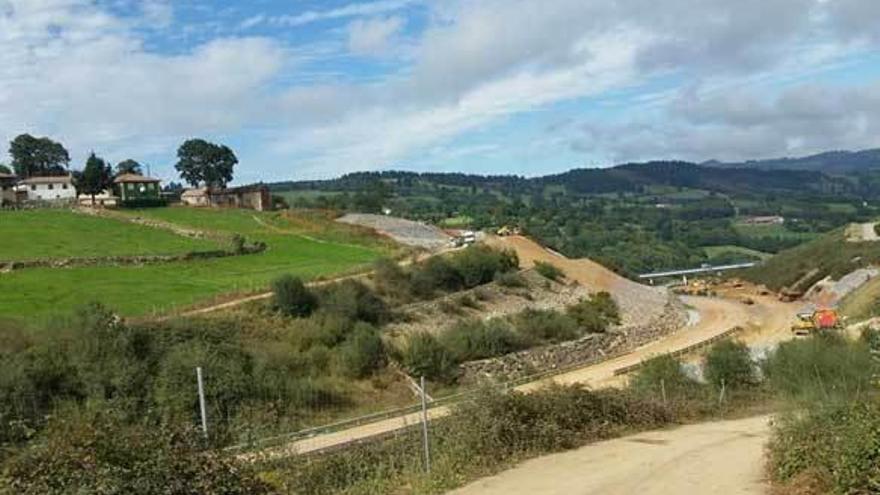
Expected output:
(373, 36)
(358, 9)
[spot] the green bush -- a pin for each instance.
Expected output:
(292, 297)
(476, 339)
(837, 446)
(479, 264)
(436, 274)
(541, 326)
(663, 375)
(549, 270)
(363, 352)
(354, 301)
(511, 280)
(821, 369)
(391, 280)
(424, 356)
(595, 314)
(100, 452)
(729, 363)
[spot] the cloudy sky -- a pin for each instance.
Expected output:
(314, 88)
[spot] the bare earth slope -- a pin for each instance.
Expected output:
(639, 304)
(709, 458)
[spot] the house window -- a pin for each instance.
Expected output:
(34, 187)
(63, 186)
(51, 186)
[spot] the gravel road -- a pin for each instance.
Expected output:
(722, 457)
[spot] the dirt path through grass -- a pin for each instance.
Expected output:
(722, 457)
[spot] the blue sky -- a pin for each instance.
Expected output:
(305, 89)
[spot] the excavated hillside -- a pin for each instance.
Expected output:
(640, 305)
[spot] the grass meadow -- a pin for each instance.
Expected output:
(306, 245)
(32, 234)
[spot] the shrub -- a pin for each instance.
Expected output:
(97, 452)
(821, 369)
(663, 374)
(363, 352)
(471, 340)
(436, 274)
(549, 270)
(837, 446)
(354, 301)
(511, 280)
(424, 356)
(479, 264)
(292, 297)
(595, 314)
(730, 363)
(391, 280)
(546, 326)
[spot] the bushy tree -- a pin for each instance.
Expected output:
(201, 162)
(96, 177)
(363, 352)
(4, 169)
(663, 374)
(292, 298)
(424, 356)
(730, 364)
(352, 300)
(129, 166)
(32, 156)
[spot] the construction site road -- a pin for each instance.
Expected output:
(723, 457)
(765, 320)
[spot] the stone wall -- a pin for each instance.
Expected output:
(589, 348)
(8, 266)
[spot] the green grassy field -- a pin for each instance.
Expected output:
(712, 251)
(308, 246)
(36, 234)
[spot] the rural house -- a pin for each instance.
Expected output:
(133, 187)
(7, 189)
(254, 197)
(57, 188)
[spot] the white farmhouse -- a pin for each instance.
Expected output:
(57, 188)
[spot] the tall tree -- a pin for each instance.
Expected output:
(201, 162)
(32, 156)
(95, 177)
(129, 167)
(4, 169)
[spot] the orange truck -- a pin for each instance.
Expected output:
(818, 320)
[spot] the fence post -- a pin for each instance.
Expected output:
(202, 401)
(663, 390)
(425, 442)
(721, 394)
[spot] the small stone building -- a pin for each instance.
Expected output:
(254, 197)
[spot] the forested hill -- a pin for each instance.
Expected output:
(832, 162)
(635, 177)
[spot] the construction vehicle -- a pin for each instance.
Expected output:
(818, 320)
(508, 231)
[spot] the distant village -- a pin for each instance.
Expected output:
(36, 184)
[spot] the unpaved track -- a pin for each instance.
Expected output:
(722, 457)
(767, 318)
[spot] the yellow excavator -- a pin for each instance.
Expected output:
(818, 320)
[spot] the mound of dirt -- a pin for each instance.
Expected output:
(404, 231)
(639, 304)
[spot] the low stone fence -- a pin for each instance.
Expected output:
(587, 348)
(8, 266)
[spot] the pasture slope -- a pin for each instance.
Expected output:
(310, 246)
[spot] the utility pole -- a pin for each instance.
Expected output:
(425, 428)
(202, 401)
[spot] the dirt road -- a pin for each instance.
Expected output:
(766, 320)
(862, 232)
(708, 458)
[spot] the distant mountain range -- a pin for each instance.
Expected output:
(843, 173)
(831, 162)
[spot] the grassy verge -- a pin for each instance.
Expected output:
(36, 234)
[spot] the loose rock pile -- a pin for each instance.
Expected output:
(404, 231)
